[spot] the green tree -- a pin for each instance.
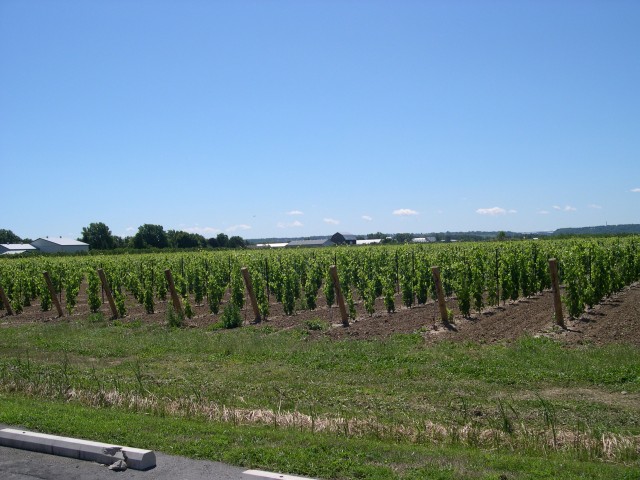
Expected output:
(403, 237)
(222, 239)
(180, 239)
(98, 236)
(236, 242)
(150, 236)
(7, 236)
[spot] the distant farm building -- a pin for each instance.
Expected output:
(272, 245)
(343, 238)
(370, 241)
(16, 248)
(323, 242)
(60, 245)
(424, 240)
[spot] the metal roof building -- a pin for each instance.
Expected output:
(343, 238)
(371, 241)
(60, 245)
(323, 242)
(15, 248)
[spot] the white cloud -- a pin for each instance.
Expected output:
(635, 190)
(491, 211)
(130, 229)
(566, 208)
(295, 212)
(204, 231)
(543, 212)
(331, 221)
(234, 228)
(367, 218)
(290, 225)
(512, 211)
(597, 207)
(404, 212)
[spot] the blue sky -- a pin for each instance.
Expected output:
(295, 118)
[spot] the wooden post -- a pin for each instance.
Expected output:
(107, 291)
(5, 301)
(177, 305)
(252, 295)
(333, 271)
(442, 304)
(52, 292)
(555, 287)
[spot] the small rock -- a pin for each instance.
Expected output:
(119, 466)
(624, 392)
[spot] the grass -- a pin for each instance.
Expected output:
(391, 408)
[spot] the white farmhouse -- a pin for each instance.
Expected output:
(60, 245)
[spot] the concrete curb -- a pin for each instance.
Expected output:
(104, 453)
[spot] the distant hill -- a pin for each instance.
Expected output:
(600, 230)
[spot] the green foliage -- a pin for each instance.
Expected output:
(98, 236)
(72, 288)
(407, 291)
(198, 288)
(329, 290)
(120, 304)
(45, 298)
(174, 319)
(351, 306)
(215, 292)
(237, 289)
(389, 297)
(316, 325)
(186, 304)
(93, 291)
(148, 300)
(16, 304)
(261, 295)
(7, 236)
(150, 236)
(231, 317)
(289, 298)
(370, 298)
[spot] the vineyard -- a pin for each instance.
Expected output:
(245, 356)
(295, 285)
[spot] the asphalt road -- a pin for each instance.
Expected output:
(17, 464)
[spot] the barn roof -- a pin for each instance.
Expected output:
(348, 236)
(17, 246)
(63, 241)
(323, 242)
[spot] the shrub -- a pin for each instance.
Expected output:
(174, 319)
(231, 317)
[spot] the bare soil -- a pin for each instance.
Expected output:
(615, 320)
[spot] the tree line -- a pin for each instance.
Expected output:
(99, 237)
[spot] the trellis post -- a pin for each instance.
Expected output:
(442, 304)
(177, 305)
(107, 291)
(555, 287)
(5, 301)
(252, 295)
(52, 291)
(333, 271)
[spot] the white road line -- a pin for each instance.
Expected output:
(272, 475)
